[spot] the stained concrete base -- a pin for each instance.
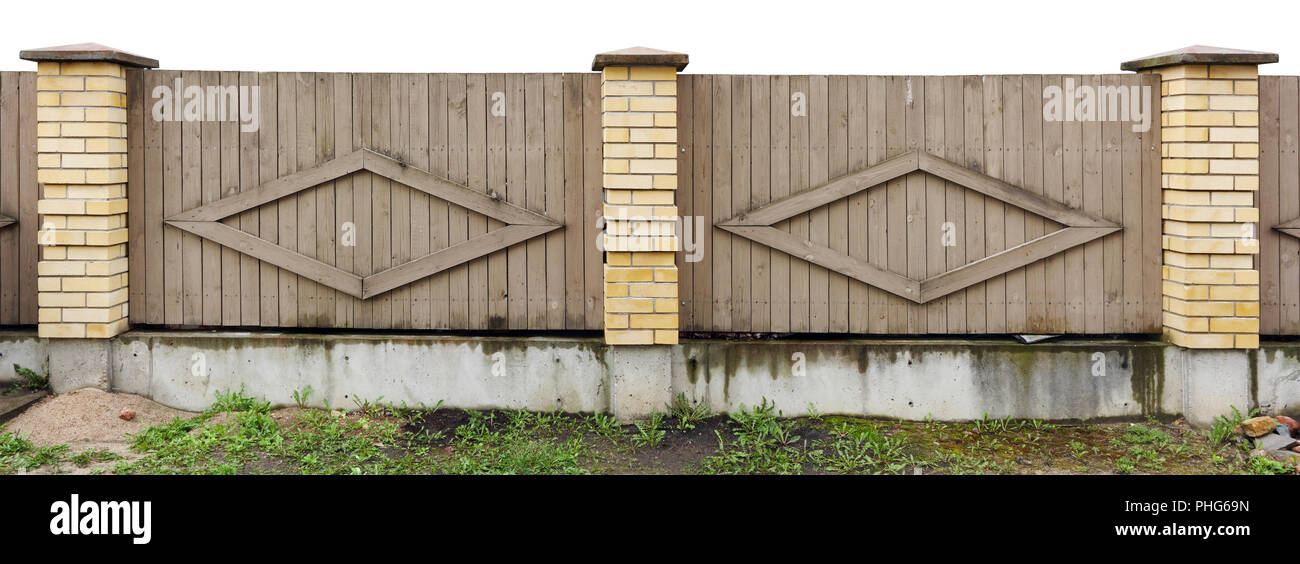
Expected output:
(1079, 379)
(79, 363)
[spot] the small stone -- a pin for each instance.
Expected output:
(1258, 426)
(1289, 422)
(1258, 452)
(126, 414)
(1277, 442)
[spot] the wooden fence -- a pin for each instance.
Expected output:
(971, 158)
(468, 201)
(1278, 200)
(18, 195)
(366, 159)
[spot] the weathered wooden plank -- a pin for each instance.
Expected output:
(400, 196)
(10, 262)
(1073, 162)
(593, 196)
(800, 140)
(381, 191)
(457, 216)
(1129, 294)
(877, 215)
(287, 220)
(363, 191)
(838, 211)
(1288, 205)
(915, 198)
(516, 193)
(1055, 303)
(344, 203)
(976, 296)
(30, 193)
(1112, 208)
(305, 92)
(741, 191)
(498, 267)
(555, 257)
(818, 218)
(722, 203)
(439, 228)
(535, 194)
(228, 288)
(780, 163)
(954, 196)
(689, 233)
(191, 197)
(1093, 187)
(857, 228)
(1035, 307)
(268, 143)
(1152, 305)
(574, 265)
(250, 277)
(1268, 260)
(1013, 171)
(477, 94)
(327, 225)
(417, 153)
(936, 312)
(153, 279)
(760, 152)
(895, 194)
(136, 224)
(995, 291)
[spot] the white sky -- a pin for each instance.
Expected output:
(759, 37)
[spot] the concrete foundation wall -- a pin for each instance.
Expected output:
(912, 379)
(24, 349)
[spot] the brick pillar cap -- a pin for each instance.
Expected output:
(640, 56)
(1200, 54)
(87, 52)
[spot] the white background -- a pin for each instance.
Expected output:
(756, 36)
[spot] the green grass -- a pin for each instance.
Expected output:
(243, 435)
(28, 380)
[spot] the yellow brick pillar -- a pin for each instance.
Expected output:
(1209, 119)
(82, 170)
(639, 120)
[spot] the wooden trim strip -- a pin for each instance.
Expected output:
(839, 188)
(274, 190)
(834, 260)
(458, 194)
(1008, 193)
(299, 264)
(1008, 260)
(443, 259)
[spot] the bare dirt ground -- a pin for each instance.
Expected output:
(88, 419)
